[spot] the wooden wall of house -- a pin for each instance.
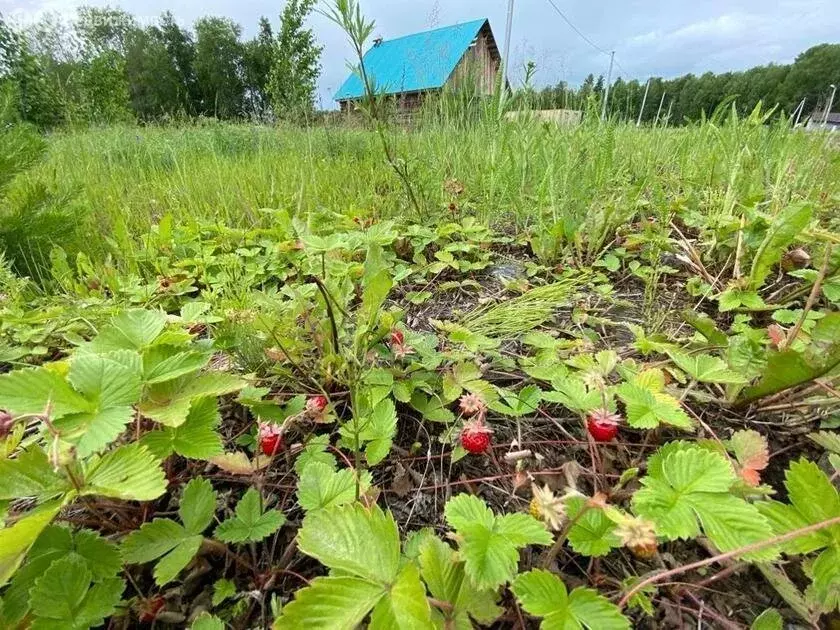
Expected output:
(479, 66)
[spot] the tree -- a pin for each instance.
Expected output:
(258, 61)
(218, 67)
(296, 62)
(181, 52)
(810, 75)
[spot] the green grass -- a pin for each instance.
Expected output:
(553, 181)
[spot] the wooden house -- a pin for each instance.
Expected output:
(408, 68)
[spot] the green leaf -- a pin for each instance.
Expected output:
(30, 474)
(706, 368)
(593, 534)
(63, 596)
(444, 574)
(169, 403)
(103, 381)
(813, 499)
(790, 368)
(92, 432)
(163, 363)
(198, 438)
(824, 589)
(16, 540)
(250, 524)
(376, 284)
(315, 451)
(829, 440)
(406, 606)
(572, 393)
(130, 473)
(647, 409)
(330, 603)
(354, 540)
(379, 431)
(431, 407)
(689, 485)
(198, 504)
(30, 391)
(130, 330)
(176, 560)
(56, 542)
(770, 619)
(152, 540)
(733, 298)
(519, 403)
(543, 594)
(222, 590)
(320, 486)
(785, 227)
(206, 621)
(489, 544)
(165, 539)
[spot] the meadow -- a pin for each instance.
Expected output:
(522, 375)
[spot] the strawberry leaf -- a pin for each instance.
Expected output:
(250, 524)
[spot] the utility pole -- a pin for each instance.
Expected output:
(644, 100)
(830, 103)
(799, 111)
(507, 36)
(607, 87)
(658, 111)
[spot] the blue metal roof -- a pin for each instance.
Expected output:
(423, 61)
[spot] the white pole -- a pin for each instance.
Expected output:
(830, 103)
(507, 36)
(607, 90)
(658, 111)
(799, 111)
(644, 100)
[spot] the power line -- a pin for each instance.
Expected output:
(576, 30)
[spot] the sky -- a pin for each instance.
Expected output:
(650, 37)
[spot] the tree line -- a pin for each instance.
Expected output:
(690, 97)
(104, 67)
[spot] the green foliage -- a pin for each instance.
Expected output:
(445, 576)
(250, 523)
(362, 548)
(543, 594)
(686, 488)
(84, 550)
(488, 543)
(785, 227)
(813, 499)
(295, 63)
(173, 543)
(65, 597)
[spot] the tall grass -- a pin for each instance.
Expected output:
(562, 183)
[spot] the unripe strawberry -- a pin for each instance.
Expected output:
(271, 438)
(475, 437)
(472, 405)
(602, 425)
(316, 404)
(644, 551)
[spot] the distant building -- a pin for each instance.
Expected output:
(816, 121)
(408, 68)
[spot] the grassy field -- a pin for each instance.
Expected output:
(234, 358)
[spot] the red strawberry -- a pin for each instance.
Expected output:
(602, 425)
(271, 439)
(150, 608)
(6, 422)
(475, 437)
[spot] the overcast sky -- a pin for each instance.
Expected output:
(651, 37)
